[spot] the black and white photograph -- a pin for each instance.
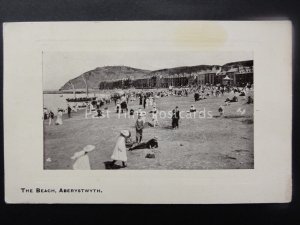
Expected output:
(148, 110)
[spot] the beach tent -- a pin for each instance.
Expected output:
(227, 78)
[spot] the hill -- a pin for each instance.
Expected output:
(94, 77)
(239, 63)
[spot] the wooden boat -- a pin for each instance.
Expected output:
(82, 99)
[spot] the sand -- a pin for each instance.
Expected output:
(199, 143)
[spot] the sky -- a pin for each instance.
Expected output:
(60, 67)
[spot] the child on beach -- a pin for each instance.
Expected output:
(59, 118)
(118, 106)
(51, 117)
(119, 152)
(221, 110)
(154, 117)
(192, 109)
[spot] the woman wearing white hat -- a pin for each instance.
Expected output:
(154, 117)
(119, 152)
(59, 117)
(81, 158)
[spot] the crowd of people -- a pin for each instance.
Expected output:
(147, 100)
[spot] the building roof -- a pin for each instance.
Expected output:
(232, 70)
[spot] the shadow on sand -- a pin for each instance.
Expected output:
(167, 127)
(109, 165)
(234, 116)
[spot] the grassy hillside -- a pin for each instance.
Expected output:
(94, 77)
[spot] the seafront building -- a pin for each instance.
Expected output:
(237, 75)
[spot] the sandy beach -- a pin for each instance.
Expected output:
(199, 143)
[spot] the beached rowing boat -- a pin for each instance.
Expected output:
(82, 99)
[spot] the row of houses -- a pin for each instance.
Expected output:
(237, 76)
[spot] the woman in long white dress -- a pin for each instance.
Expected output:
(59, 118)
(154, 117)
(119, 153)
(151, 101)
(82, 161)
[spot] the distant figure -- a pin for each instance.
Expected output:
(124, 107)
(98, 114)
(119, 152)
(75, 108)
(250, 100)
(221, 110)
(139, 126)
(175, 118)
(154, 103)
(144, 102)
(197, 96)
(243, 93)
(98, 104)
(222, 90)
(51, 117)
(69, 111)
(59, 118)
(131, 112)
(45, 114)
(118, 106)
(154, 117)
(141, 99)
(192, 109)
(234, 99)
(151, 101)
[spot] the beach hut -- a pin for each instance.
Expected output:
(227, 80)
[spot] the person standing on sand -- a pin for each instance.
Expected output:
(175, 118)
(221, 110)
(59, 118)
(51, 117)
(139, 126)
(119, 152)
(118, 106)
(144, 102)
(154, 117)
(69, 111)
(150, 100)
(141, 99)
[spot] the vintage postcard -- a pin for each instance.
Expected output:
(148, 112)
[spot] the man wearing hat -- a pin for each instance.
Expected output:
(139, 126)
(175, 118)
